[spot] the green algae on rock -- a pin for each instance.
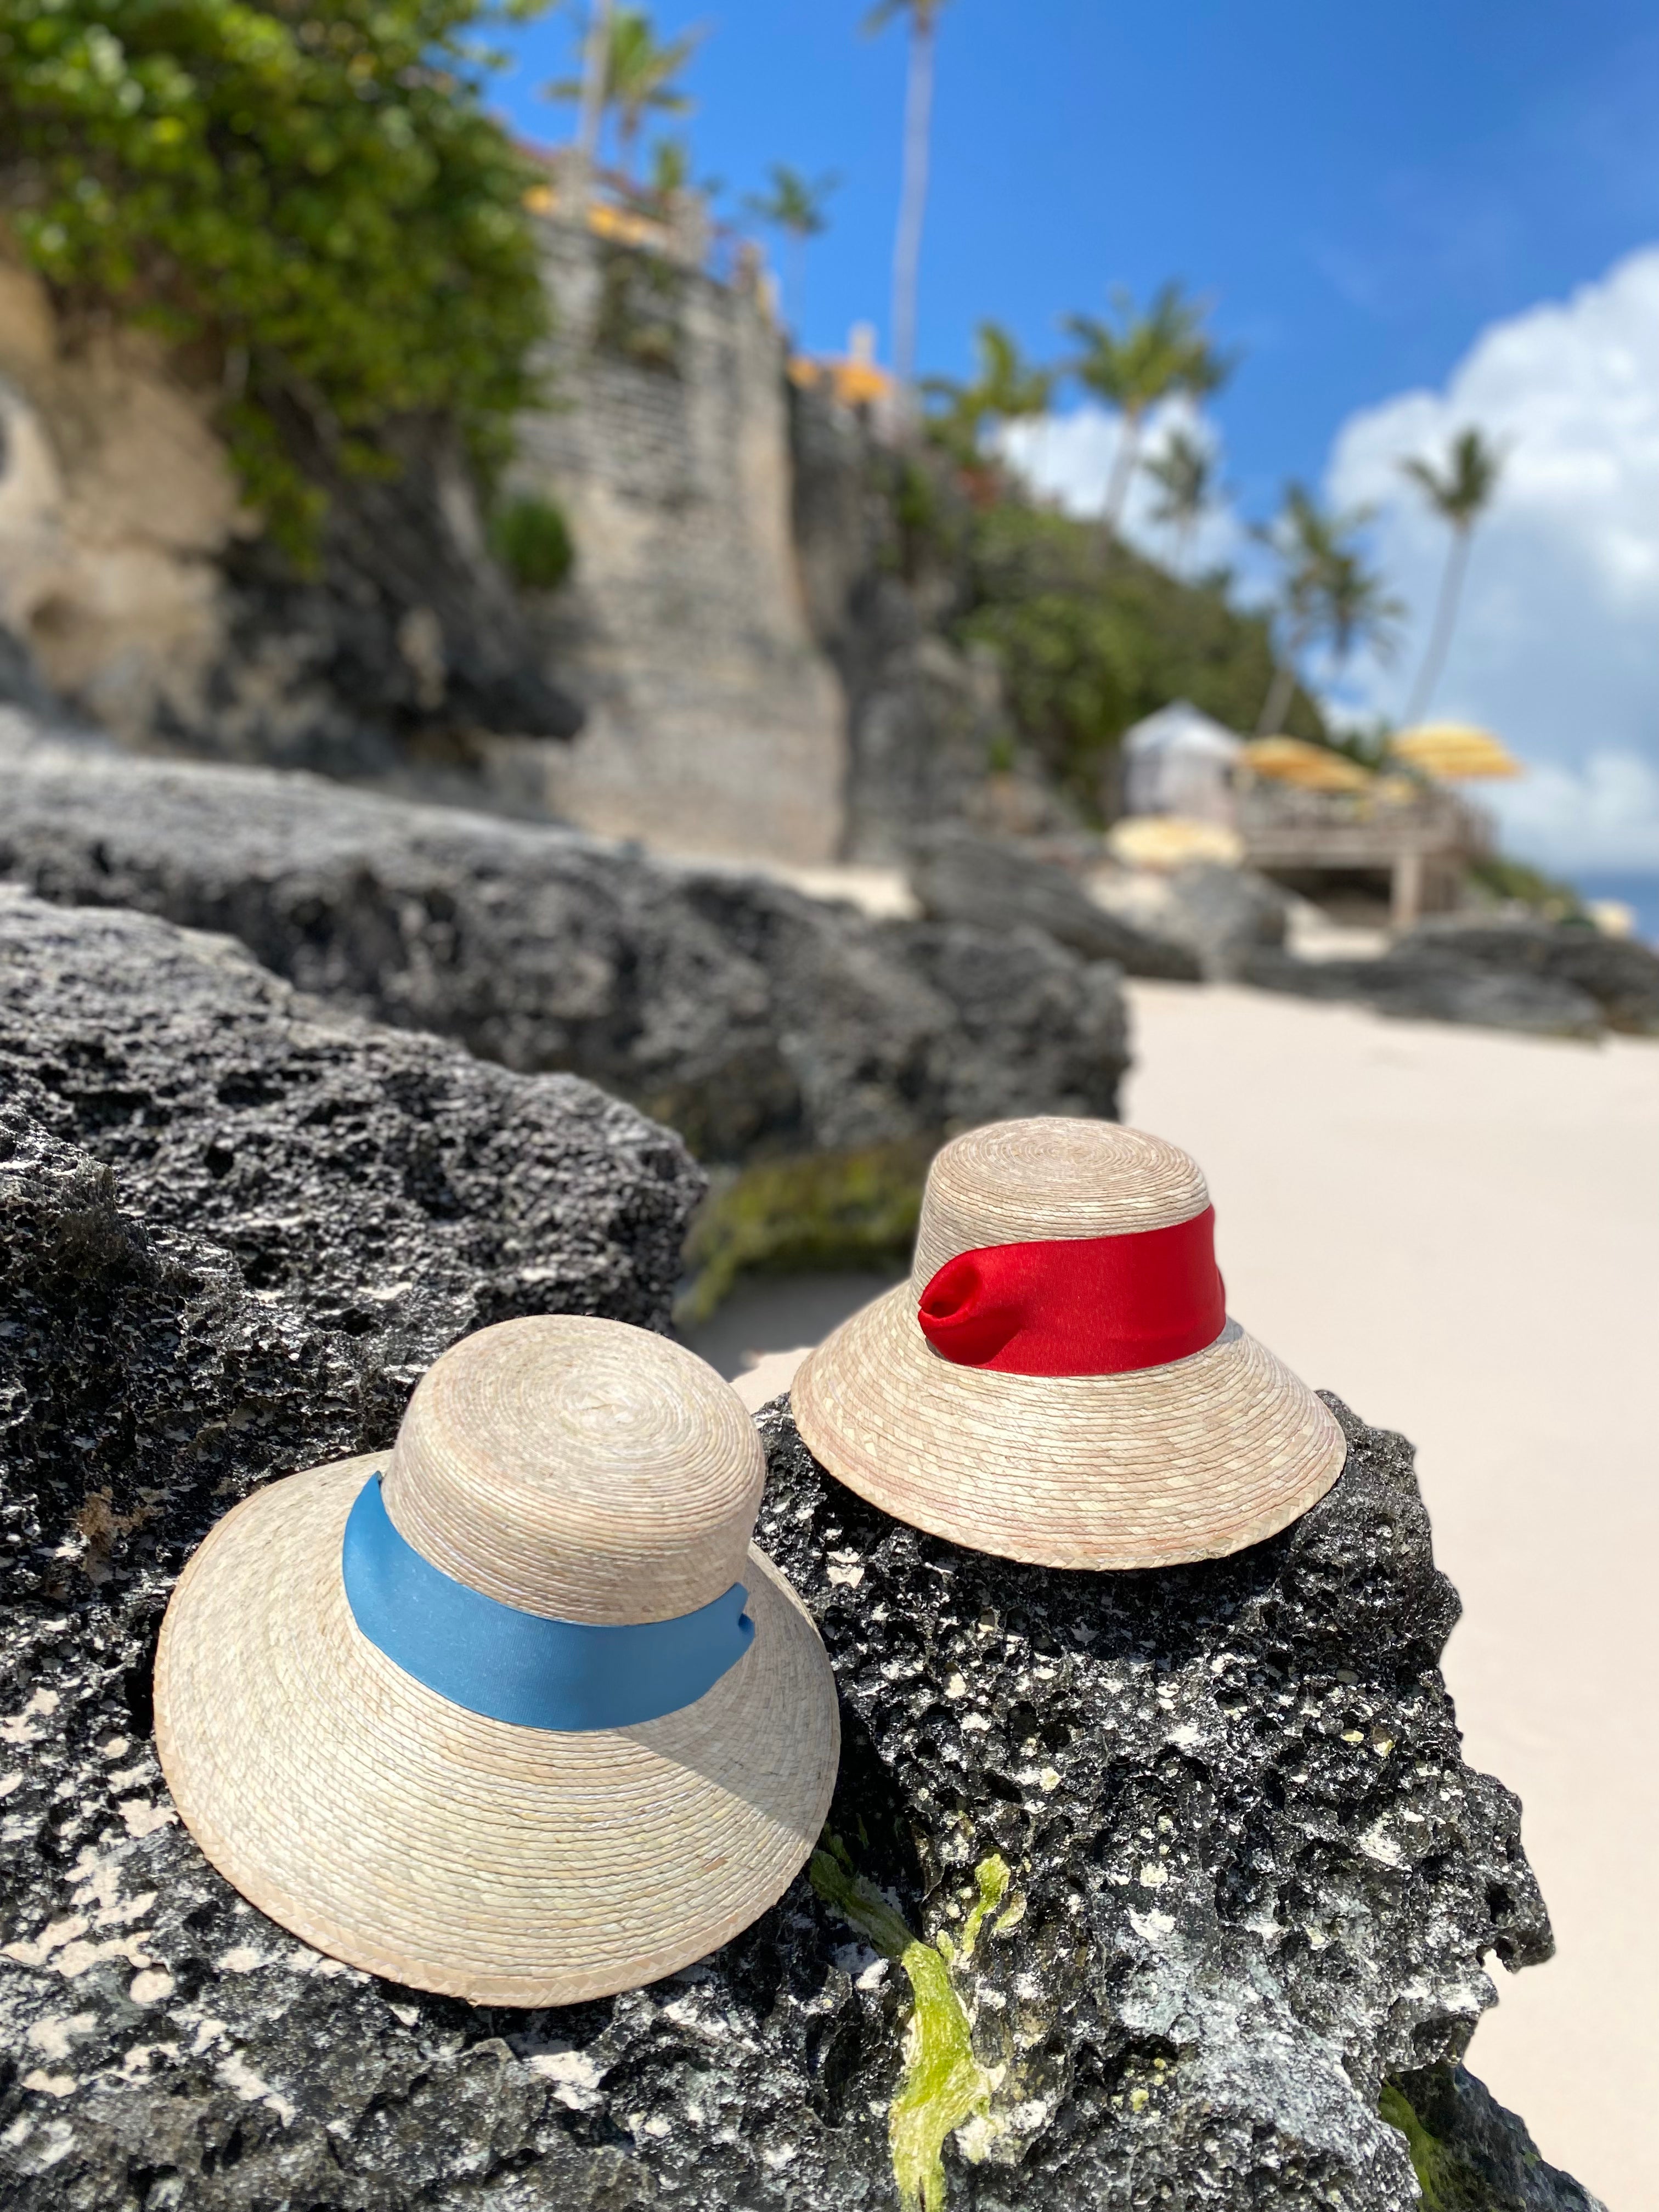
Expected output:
(943, 2088)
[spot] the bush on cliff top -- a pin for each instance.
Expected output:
(310, 199)
(1089, 642)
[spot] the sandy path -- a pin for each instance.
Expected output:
(1459, 1232)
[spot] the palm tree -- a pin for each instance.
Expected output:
(1007, 389)
(1460, 494)
(634, 75)
(1183, 469)
(1140, 360)
(796, 207)
(924, 17)
(591, 116)
(1327, 590)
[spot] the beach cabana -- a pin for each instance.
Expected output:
(1181, 762)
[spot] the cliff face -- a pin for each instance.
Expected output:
(715, 723)
(148, 600)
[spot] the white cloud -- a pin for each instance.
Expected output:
(1558, 645)
(1068, 458)
(1600, 818)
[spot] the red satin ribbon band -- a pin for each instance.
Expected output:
(1080, 1305)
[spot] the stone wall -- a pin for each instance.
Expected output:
(715, 724)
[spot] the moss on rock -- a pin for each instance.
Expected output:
(829, 1209)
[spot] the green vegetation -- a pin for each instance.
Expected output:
(944, 2087)
(1460, 494)
(798, 206)
(314, 204)
(531, 539)
(1183, 469)
(1327, 592)
(1505, 879)
(1007, 389)
(636, 76)
(1426, 2162)
(853, 1209)
(1136, 360)
(1089, 642)
(1453, 2172)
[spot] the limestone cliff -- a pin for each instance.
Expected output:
(147, 598)
(715, 723)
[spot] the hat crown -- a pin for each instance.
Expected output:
(578, 1468)
(1019, 1183)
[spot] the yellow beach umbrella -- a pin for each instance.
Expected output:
(1309, 767)
(1453, 751)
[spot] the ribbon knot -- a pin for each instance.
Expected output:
(1080, 1305)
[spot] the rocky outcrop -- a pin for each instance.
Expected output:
(1138, 1889)
(925, 722)
(1548, 979)
(150, 602)
(386, 1191)
(1222, 916)
(1620, 976)
(958, 876)
(749, 1017)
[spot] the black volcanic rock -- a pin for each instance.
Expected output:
(995, 884)
(1552, 979)
(385, 1191)
(1619, 973)
(1186, 1866)
(1184, 1863)
(750, 1017)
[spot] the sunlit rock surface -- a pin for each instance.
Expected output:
(747, 1016)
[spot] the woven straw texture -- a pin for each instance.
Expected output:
(504, 1864)
(1189, 1461)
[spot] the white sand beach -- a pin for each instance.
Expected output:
(1458, 1232)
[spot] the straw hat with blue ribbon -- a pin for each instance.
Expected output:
(1058, 1381)
(515, 1712)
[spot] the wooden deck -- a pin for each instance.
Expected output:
(1422, 843)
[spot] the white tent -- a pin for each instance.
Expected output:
(1179, 761)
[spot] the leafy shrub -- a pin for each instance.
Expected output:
(531, 539)
(1504, 879)
(1088, 641)
(311, 200)
(642, 299)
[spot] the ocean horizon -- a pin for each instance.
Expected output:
(1638, 892)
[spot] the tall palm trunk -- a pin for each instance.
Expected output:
(1123, 468)
(596, 58)
(1445, 621)
(1280, 690)
(913, 200)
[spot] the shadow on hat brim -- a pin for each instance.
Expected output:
(1190, 1460)
(401, 1833)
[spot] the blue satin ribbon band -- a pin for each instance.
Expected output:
(491, 1658)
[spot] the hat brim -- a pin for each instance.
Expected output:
(1190, 1460)
(401, 1833)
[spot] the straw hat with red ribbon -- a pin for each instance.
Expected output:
(1058, 1382)
(515, 1711)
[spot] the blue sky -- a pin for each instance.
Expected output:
(1360, 191)
(1369, 197)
